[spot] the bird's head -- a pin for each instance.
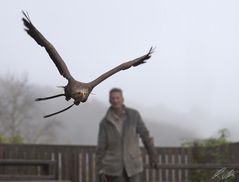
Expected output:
(78, 97)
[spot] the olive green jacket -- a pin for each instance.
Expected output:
(116, 151)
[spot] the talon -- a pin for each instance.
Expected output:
(67, 98)
(76, 102)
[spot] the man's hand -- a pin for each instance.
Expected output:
(154, 164)
(153, 157)
(103, 178)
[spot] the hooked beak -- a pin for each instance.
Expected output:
(82, 94)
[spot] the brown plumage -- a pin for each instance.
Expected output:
(76, 90)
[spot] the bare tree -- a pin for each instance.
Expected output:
(17, 111)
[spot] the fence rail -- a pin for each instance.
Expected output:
(77, 163)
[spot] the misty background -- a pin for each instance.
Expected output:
(188, 89)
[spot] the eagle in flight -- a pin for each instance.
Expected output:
(76, 90)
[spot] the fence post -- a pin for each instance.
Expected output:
(234, 157)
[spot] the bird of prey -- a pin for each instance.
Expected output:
(76, 90)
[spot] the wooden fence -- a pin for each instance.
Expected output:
(77, 163)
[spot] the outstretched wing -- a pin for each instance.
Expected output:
(122, 66)
(42, 41)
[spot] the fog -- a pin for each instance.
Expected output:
(190, 82)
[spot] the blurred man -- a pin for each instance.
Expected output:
(118, 155)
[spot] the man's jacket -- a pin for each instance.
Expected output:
(116, 150)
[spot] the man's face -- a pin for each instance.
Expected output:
(116, 100)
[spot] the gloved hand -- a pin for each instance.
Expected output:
(154, 164)
(153, 160)
(103, 178)
(153, 157)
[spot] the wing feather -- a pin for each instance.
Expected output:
(123, 66)
(42, 41)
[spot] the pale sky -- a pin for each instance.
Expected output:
(194, 70)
